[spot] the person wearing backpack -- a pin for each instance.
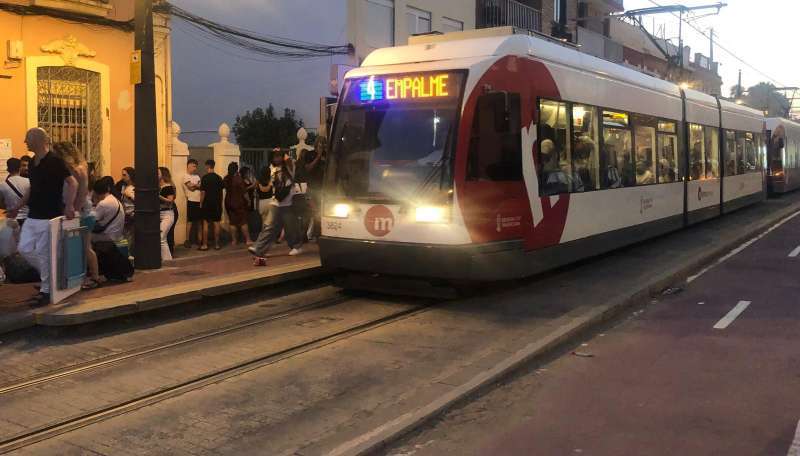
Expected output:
(14, 189)
(280, 215)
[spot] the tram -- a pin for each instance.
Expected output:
(489, 155)
(783, 155)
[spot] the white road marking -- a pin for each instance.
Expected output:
(794, 252)
(794, 449)
(739, 249)
(737, 310)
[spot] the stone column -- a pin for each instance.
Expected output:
(225, 153)
(179, 153)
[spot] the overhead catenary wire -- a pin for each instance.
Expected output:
(723, 48)
(257, 43)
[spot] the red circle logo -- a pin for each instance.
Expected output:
(379, 221)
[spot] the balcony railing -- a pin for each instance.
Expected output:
(498, 13)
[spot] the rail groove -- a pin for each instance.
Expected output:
(69, 424)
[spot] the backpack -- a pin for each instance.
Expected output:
(18, 270)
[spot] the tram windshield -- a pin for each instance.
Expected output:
(395, 136)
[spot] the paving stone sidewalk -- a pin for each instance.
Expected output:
(191, 271)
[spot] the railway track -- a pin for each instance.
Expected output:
(115, 358)
(132, 403)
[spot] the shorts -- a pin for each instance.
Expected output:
(89, 221)
(212, 213)
(193, 211)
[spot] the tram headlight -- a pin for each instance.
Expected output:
(431, 214)
(339, 210)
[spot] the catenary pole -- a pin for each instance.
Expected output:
(147, 250)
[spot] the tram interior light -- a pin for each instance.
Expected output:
(430, 214)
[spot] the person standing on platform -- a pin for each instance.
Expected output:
(166, 198)
(309, 169)
(211, 187)
(80, 171)
(280, 215)
(14, 189)
(236, 203)
(52, 195)
(194, 216)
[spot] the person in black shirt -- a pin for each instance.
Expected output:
(211, 186)
(52, 195)
(166, 199)
(309, 169)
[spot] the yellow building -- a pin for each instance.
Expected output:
(66, 68)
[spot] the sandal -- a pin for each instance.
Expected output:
(90, 284)
(217, 247)
(203, 248)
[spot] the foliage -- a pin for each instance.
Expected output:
(764, 97)
(262, 128)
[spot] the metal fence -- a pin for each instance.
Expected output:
(256, 158)
(497, 13)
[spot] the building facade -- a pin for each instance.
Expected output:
(373, 24)
(66, 68)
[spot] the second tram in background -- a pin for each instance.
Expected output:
(489, 155)
(783, 155)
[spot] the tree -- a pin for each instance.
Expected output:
(262, 128)
(764, 97)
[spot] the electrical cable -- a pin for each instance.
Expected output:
(254, 42)
(723, 48)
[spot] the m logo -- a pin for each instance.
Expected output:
(379, 221)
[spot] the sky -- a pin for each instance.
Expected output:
(760, 32)
(213, 83)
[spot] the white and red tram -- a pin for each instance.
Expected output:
(501, 155)
(783, 155)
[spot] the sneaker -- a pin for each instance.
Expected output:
(294, 252)
(252, 251)
(259, 261)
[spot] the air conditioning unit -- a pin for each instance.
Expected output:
(14, 50)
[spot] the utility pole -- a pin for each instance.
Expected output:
(711, 49)
(739, 86)
(147, 246)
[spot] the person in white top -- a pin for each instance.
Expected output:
(280, 215)
(194, 214)
(14, 189)
(109, 213)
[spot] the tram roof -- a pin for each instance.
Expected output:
(503, 41)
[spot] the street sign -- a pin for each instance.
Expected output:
(136, 67)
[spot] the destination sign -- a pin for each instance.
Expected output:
(405, 87)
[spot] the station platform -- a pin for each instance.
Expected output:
(190, 277)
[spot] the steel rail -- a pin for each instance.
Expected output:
(115, 358)
(75, 422)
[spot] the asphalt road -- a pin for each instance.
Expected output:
(713, 369)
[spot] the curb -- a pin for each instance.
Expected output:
(135, 306)
(16, 321)
(372, 441)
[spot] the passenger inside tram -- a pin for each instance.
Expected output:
(585, 159)
(644, 168)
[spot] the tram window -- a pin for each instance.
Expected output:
(555, 154)
(495, 152)
(712, 152)
(585, 159)
(645, 143)
(751, 153)
(667, 158)
(741, 161)
(730, 153)
(697, 162)
(615, 161)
